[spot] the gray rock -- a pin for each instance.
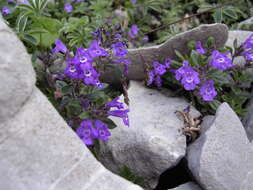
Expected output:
(246, 23)
(240, 35)
(142, 57)
(153, 142)
(187, 186)
(39, 151)
(16, 73)
(221, 158)
(248, 120)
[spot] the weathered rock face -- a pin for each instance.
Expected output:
(142, 56)
(153, 142)
(221, 158)
(38, 150)
(187, 186)
(16, 81)
(249, 21)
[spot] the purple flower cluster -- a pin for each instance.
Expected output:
(96, 129)
(120, 51)
(119, 112)
(221, 61)
(188, 77)
(80, 66)
(93, 129)
(248, 49)
(158, 70)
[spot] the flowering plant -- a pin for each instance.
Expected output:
(209, 76)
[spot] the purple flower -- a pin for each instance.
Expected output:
(158, 81)
(68, 7)
(167, 63)
(248, 55)
(23, 2)
(102, 129)
(133, 31)
(207, 91)
(59, 47)
(120, 113)
(119, 49)
(220, 61)
(83, 55)
(145, 39)
(248, 44)
(87, 132)
(151, 77)
(114, 103)
(72, 70)
(159, 69)
(95, 50)
(133, 1)
(5, 10)
(189, 78)
(199, 48)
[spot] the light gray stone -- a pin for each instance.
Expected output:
(153, 142)
(221, 158)
(249, 21)
(39, 151)
(16, 73)
(145, 56)
(187, 186)
(248, 120)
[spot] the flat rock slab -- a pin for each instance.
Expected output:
(153, 142)
(187, 186)
(142, 56)
(40, 152)
(221, 158)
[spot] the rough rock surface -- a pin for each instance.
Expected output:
(249, 21)
(221, 158)
(240, 35)
(187, 186)
(248, 120)
(16, 81)
(142, 56)
(38, 150)
(153, 142)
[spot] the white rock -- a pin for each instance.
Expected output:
(17, 77)
(153, 142)
(187, 186)
(221, 158)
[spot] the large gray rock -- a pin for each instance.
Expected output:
(153, 142)
(221, 158)
(187, 186)
(39, 151)
(16, 73)
(142, 57)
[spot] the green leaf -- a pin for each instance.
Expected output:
(30, 39)
(218, 15)
(194, 58)
(179, 55)
(230, 12)
(85, 115)
(110, 123)
(214, 104)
